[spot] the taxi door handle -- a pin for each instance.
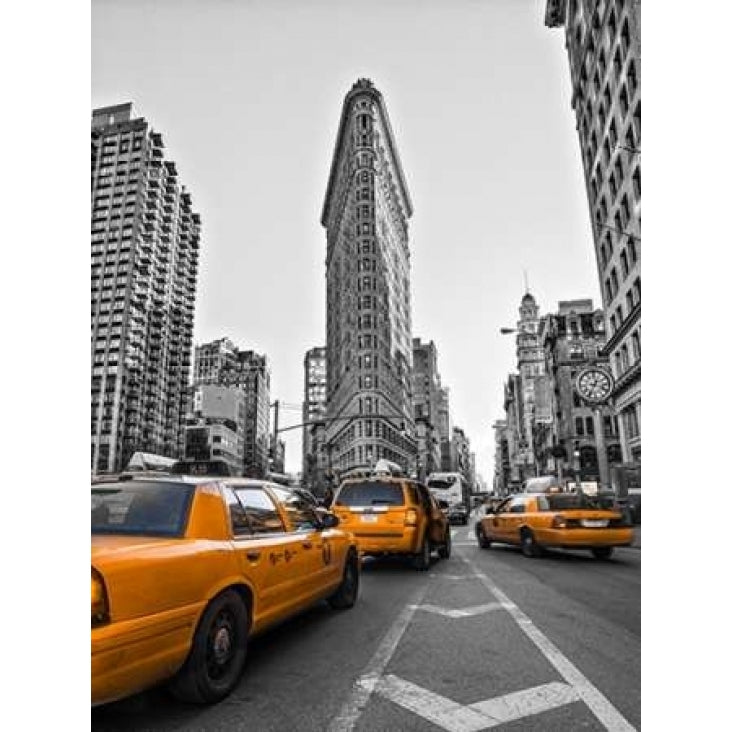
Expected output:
(307, 545)
(253, 556)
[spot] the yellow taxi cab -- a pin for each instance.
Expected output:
(391, 514)
(536, 521)
(184, 570)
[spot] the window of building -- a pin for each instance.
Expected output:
(624, 104)
(579, 427)
(625, 210)
(625, 37)
(637, 183)
(629, 301)
(619, 314)
(617, 64)
(632, 250)
(632, 79)
(589, 426)
(636, 346)
(614, 280)
(630, 419)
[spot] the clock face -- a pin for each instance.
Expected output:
(594, 385)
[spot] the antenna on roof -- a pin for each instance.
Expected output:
(526, 281)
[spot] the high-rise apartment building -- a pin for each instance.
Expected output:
(221, 362)
(602, 38)
(144, 260)
(314, 408)
(369, 339)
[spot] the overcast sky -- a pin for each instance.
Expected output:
(248, 94)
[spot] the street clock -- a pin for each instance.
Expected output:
(594, 385)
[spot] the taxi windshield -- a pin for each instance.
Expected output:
(370, 493)
(149, 508)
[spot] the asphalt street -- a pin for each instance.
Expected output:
(486, 639)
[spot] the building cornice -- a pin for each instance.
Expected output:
(622, 331)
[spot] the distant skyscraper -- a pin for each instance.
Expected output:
(602, 38)
(144, 251)
(221, 362)
(369, 340)
(427, 397)
(314, 456)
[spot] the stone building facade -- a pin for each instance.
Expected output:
(572, 339)
(369, 333)
(602, 38)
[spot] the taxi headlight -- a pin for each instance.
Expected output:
(99, 603)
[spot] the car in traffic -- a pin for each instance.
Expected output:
(458, 514)
(393, 515)
(536, 521)
(184, 570)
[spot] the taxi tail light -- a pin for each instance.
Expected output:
(411, 517)
(99, 601)
(559, 522)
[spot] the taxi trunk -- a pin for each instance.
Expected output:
(376, 512)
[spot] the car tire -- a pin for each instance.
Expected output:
(529, 547)
(602, 552)
(347, 592)
(483, 541)
(446, 549)
(217, 654)
(422, 557)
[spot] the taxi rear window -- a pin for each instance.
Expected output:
(371, 493)
(140, 508)
(564, 501)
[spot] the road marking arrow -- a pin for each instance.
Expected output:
(455, 717)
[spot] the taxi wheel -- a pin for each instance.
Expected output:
(483, 541)
(602, 552)
(422, 558)
(347, 592)
(217, 654)
(529, 547)
(445, 550)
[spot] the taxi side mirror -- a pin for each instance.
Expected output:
(328, 521)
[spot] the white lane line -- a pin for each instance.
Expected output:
(445, 713)
(455, 717)
(601, 707)
(527, 702)
(464, 612)
(352, 708)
